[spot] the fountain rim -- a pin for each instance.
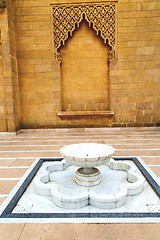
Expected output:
(65, 152)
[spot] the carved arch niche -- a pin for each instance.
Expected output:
(101, 17)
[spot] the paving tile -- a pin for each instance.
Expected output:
(30, 148)
(137, 153)
(138, 146)
(11, 231)
(48, 146)
(6, 162)
(156, 170)
(64, 232)
(64, 137)
(2, 139)
(126, 129)
(12, 172)
(7, 186)
(57, 154)
(32, 142)
(151, 160)
(137, 141)
(77, 130)
(1, 200)
(76, 141)
(95, 133)
(22, 162)
(80, 137)
(132, 231)
(31, 154)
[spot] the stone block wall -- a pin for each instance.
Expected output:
(39, 79)
(135, 77)
(84, 71)
(31, 84)
(3, 126)
(9, 73)
(13, 76)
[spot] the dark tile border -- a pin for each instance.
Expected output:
(7, 213)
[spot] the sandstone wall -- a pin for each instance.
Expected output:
(3, 125)
(39, 77)
(84, 71)
(134, 83)
(8, 72)
(135, 77)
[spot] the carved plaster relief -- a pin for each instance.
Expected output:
(0, 37)
(0, 43)
(101, 17)
(2, 5)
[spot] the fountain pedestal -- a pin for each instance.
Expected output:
(88, 177)
(87, 156)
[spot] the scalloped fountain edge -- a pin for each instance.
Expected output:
(133, 187)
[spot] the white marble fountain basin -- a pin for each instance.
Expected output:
(120, 180)
(87, 155)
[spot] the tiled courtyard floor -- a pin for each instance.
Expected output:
(18, 152)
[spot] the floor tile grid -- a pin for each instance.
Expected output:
(18, 153)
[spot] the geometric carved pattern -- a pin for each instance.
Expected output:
(2, 5)
(66, 18)
(0, 43)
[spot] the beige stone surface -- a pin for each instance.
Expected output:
(6, 163)
(12, 172)
(84, 71)
(156, 170)
(10, 231)
(22, 162)
(1, 200)
(120, 136)
(152, 160)
(64, 231)
(7, 186)
(80, 231)
(31, 85)
(133, 231)
(9, 72)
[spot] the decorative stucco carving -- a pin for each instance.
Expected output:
(2, 5)
(0, 43)
(66, 18)
(111, 55)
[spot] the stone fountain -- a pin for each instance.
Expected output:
(87, 156)
(96, 182)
